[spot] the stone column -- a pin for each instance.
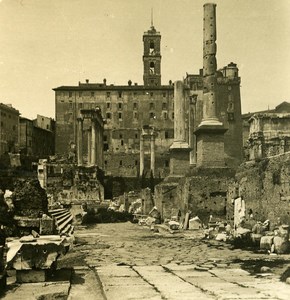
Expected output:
(179, 150)
(101, 154)
(210, 132)
(141, 154)
(179, 113)
(89, 145)
(80, 141)
(152, 157)
(209, 66)
(93, 143)
(192, 125)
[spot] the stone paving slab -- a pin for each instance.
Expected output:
(178, 288)
(225, 284)
(85, 284)
(122, 282)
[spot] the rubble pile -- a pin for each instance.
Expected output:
(29, 198)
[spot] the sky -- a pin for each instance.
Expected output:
(46, 44)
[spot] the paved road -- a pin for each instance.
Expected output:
(182, 282)
(126, 261)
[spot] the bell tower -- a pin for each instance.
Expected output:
(152, 57)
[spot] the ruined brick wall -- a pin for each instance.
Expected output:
(265, 187)
(204, 193)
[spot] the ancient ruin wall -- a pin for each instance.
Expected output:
(265, 187)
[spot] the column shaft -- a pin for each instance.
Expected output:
(80, 141)
(141, 154)
(93, 144)
(152, 156)
(89, 145)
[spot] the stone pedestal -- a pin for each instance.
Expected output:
(179, 158)
(210, 146)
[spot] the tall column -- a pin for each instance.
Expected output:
(80, 141)
(210, 132)
(89, 145)
(179, 150)
(192, 124)
(152, 152)
(93, 143)
(141, 154)
(179, 112)
(209, 66)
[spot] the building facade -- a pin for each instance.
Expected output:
(267, 133)
(9, 126)
(130, 109)
(37, 137)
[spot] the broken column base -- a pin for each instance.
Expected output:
(27, 276)
(179, 159)
(210, 146)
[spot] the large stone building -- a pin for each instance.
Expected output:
(142, 116)
(9, 122)
(266, 133)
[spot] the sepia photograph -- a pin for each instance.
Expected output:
(144, 149)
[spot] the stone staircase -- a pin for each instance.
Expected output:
(63, 220)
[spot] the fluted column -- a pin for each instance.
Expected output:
(141, 154)
(93, 143)
(89, 145)
(80, 141)
(152, 156)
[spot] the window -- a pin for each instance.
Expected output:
(105, 138)
(120, 116)
(120, 94)
(152, 115)
(70, 105)
(106, 162)
(70, 94)
(135, 94)
(120, 136)
(151, 48)
(108, 115)
(164, 105)
(151, 105)
(120, 163)
(14, 127)
(108, 105)
(135, 106)
(151, 94)
(122, 143)
(165, 116)
(164, 95)
(152, 68)
(92, 94)
(2, 124)
(106, 147)
(108, 94)
(80, 105)
(166, 134)
(166, 163)
(136, 136)
(172, 116)
(80, 94)
(135, 115)
(47, 126)
(136, 162)
(120, 105)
